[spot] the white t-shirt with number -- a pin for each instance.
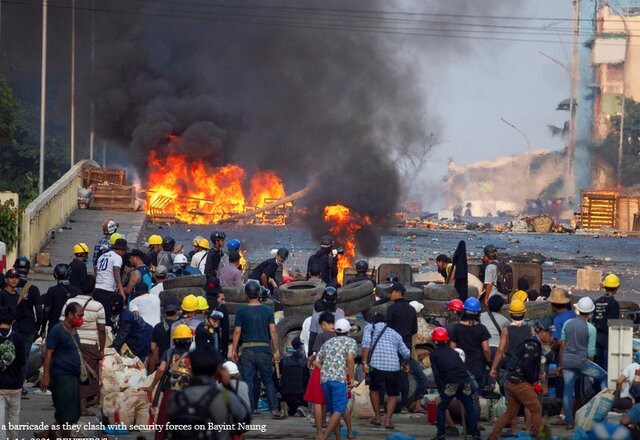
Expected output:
(105, 279)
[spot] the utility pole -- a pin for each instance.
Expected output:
(93, 57)
(573, 100)
(43, 95)
(73, 82)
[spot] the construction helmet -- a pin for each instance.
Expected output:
(520, 295)
(233, 244)
(585, 305)
(190, 303)
(454, 305)
(611, 281)
(440, 334)
(180, 259)
(472, 305)
(517, 307)
(112, 226)
(61, 272)
(155, 239)
(114, 237)
(201, 242)
(362, 266)
(182, 331)
(80, 248)
(202, 303)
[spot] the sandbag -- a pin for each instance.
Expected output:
(595, 411)
(362, 408)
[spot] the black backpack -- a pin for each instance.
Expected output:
(524, 364)
(193, 413)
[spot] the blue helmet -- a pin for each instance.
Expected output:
(233, 244)
(472, 305)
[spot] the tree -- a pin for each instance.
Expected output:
(608, 149)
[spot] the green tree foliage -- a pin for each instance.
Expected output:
(9, 218)
(608, 150)
(20, 151)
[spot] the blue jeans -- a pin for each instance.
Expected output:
(252, 364)
(415, 370)
(463, 393)
(570, 375)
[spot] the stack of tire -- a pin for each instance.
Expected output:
(298, 297)
(182, 286)
(356, 297)
(234, 298)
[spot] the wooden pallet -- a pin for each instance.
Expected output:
(97, 176)
(113, 197)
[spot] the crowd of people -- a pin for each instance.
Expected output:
(207, 370)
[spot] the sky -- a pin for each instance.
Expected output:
(510, 80)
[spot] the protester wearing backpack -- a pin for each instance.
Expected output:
(161, 336)
(522, 352)
(56, 297)
(203, 402)
(12, 359)
(173, 374)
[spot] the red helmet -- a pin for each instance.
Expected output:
(440, 334)
(456, 305)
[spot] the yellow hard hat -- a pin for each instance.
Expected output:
(204, 243)
(202, 303)
(190, 303)
(611, 281)
(520, 295)
(181, 331)
(80, 248)
(517, 307)
(114, 237)
(154, 239)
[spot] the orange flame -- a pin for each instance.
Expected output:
(343, 225)
(196, 193)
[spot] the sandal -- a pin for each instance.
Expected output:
(389, 427)
(374, 423)
(278, 416)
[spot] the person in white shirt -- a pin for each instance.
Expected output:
(146, 304)
(108, 280)
(160, 276)
(626, 398)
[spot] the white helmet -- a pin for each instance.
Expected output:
(180, 259)
(461, 353)
(585, 305)
(112, 226)
(231, 367)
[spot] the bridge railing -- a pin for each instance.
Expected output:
(51, 209)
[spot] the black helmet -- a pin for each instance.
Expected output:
(283, 252)
(326, 241)
(61, 272)
(22, 265)
(362, 266)
(330, 295)
(252, 289)
(217, 235)
(490, 251)
(168, 243)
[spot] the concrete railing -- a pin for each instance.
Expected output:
(51, 209)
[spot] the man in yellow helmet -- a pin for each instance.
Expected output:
(78, 266)
(189, 317)
(155, 246)
(607, 307)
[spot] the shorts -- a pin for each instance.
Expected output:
(335, 395)
(314, 393)
(391, 379)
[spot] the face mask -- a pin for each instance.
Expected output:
(78, 322)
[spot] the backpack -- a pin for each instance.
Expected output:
(524, 365)
(179, 371)
(191, 413)
(7, 352)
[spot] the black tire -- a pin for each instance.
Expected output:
(234, 294)
(379, 307)
(185, 281)
(181, 292)
(303, 310)
(440, 292)
(629, 306)
(289, 324)
(358, 306)
(299, 293)
(412, 293)
(357, 334)
(354, 291)
(234, 306)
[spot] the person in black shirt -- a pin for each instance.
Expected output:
(208, 334)
(402, 318)
(214, 256)
(11, 376)
(326, 261)
(607, 307)
(79, 265)
(295, 377)
(161, 336)
(452, 379)
(265, 272)
(28, 309)
(361, 273)
(57, 296)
